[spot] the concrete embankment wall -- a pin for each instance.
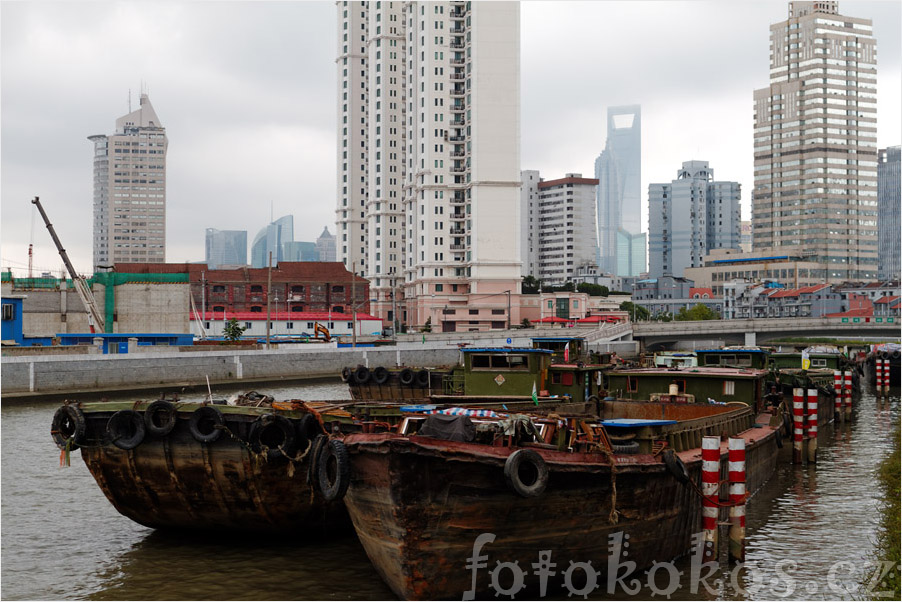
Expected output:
(35, 375)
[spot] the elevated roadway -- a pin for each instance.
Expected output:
(663, 335)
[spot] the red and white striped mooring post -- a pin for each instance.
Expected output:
(812, 425)
(886, 376)
(837, 395)
(710, 491)
(737, 499)
(848, 383)
(798, 424)
(878, 364)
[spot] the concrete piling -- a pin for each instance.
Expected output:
(736, 468)
(798, 424)
(812, 426)
(710, 487)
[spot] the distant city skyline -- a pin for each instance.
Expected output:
(256, 120)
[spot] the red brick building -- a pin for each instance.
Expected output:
(303, 286)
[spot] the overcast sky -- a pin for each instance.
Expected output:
(246, 91)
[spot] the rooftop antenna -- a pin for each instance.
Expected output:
(129, 100)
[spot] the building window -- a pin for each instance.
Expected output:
(257, 309)
(297, 308)
(338, 309)
(219, 308)
(256, 288)
(218, 288)
(247, 325)
(289, 325)
(338, 289)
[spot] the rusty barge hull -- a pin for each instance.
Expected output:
(418, 506)
(176, 482)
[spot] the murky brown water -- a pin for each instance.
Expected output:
(61, 539)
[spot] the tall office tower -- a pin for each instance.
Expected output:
(325, 246)
(690, 217)
(429, 156)
(888, 228)
(270, 240)
(621, 242)
(225, 248)
(816, 142)
(529, 223)
(130, 190)
(566, 237)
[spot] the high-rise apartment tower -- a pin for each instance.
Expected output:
(130, 190)
(621, 243)
(428, 158)
(690, 217)
(816, 143)
(888, 199)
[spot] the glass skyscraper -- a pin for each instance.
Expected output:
(621, 242)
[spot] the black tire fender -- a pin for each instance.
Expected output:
(68, 427)
(160, 417)
(313, 460)
(629, 448)
(422, 378)
(380, 375)
(361, 375)
(272, 431)
(778, 437)
(406, 377)
(308, 428)
(126, 429)
(526, 473)
(333, 470)
(206, 424)
(346, 374)
(675, 466)
(787, 425)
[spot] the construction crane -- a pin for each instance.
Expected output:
(81, 287)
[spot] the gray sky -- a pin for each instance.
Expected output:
(246, 91)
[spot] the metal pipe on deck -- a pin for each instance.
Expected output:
(736, 475)
(710, 491)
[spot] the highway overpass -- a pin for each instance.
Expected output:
(759, 331)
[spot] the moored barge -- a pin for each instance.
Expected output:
(555, 486)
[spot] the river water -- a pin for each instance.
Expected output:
(810, 530)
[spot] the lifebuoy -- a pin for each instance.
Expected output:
(126, 429)
(526, 473)
(160, 417)
(333, 470)
(380, 375)
(68, 427)
(206, 424)
(346, 374)
(422, 378)
(676, 467)
(275, 433)
(406, 377)
(631, 447)
(361, 375)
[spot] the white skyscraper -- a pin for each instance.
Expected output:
(428, 158)
(815, 189)
(130, 190)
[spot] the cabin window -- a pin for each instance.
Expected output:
(744, 359)
(555, 378)
(819, 362)
(632, 384)
(729, 387)
(494, 362)
(681, 385)
(567, 379)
